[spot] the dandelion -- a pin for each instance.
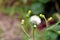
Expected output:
(35, 19)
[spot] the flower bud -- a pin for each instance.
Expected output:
(22, 21)
(50, 18)
(29, 11)
(41, 15)
(28, 14)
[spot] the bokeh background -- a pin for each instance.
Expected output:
(13, 11)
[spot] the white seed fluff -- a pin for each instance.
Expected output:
(35, 19)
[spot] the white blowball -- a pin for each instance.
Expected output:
(35, 19)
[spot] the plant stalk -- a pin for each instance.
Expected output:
(25, 32)
(33, 34)
(46, 22)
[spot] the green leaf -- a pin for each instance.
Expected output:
(51, 27)
(51, 32)
(48, 35)
(26, 8)
(37, 8)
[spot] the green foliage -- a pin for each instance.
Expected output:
(26, 8)
(44, 1)
(37, 8)
(10, 11)
(48, 35)
(51, 32)
(18, 9)
(37, 35)
(25, 37)
(53, 26)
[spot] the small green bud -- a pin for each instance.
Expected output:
(58, 32)
(22, 21)
(41, 15)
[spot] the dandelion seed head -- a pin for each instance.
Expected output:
(35, 19)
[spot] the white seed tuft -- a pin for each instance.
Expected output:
(35, 19)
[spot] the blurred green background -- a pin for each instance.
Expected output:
(20, 8)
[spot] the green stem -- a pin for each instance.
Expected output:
(33, 34)
(57, 32)
(46, 22)
(25, 32)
